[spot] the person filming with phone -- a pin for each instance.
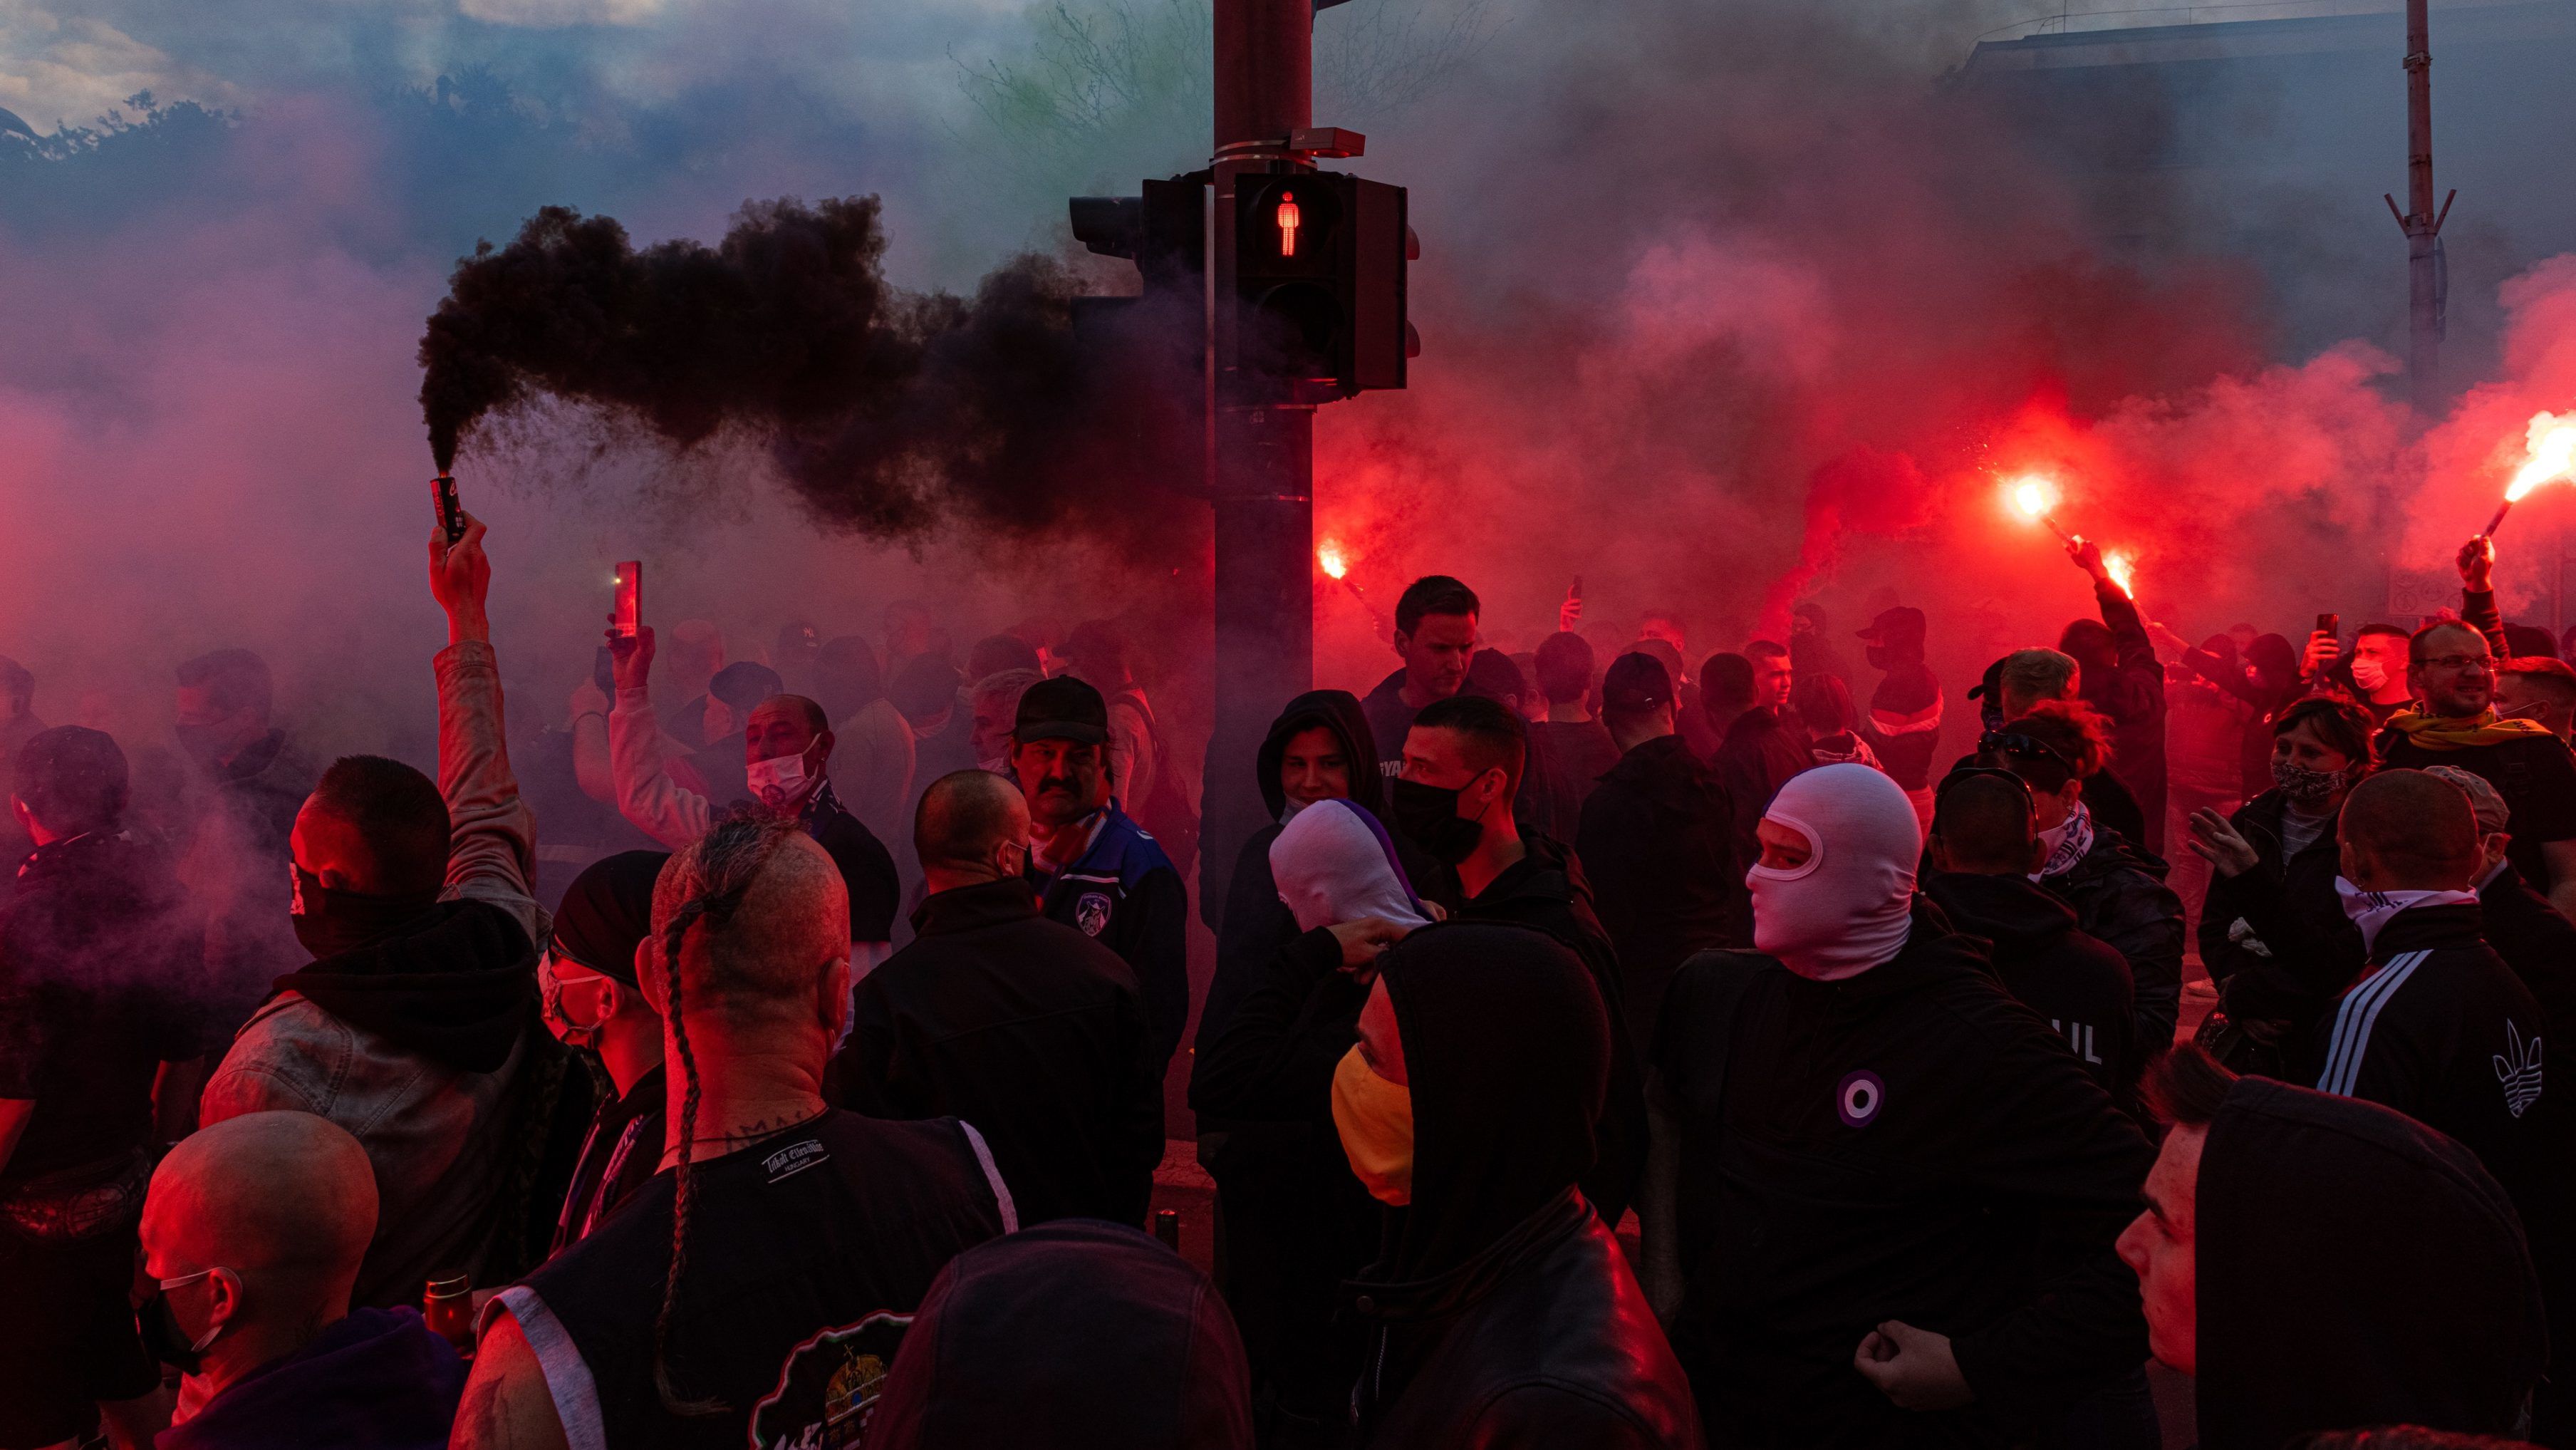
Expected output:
(787, 756)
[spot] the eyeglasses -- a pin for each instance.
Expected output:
(2457, 662)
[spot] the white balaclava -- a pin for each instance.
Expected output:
(1333, 863)
(1848, 908)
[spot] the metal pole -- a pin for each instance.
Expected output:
(1264, 451)
(2420, 223)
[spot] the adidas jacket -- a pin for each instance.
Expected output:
(2441, 1030)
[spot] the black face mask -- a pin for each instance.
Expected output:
(1877, 654)
(163, 1337)
(1428, 817)
(330, 921)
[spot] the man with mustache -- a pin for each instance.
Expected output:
(1093, 867)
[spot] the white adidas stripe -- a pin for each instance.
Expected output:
(2354, 1019)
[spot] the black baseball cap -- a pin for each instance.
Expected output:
(1635, 683)
(1904, 622)
(1063, 708)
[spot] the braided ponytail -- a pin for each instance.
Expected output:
(728, 857)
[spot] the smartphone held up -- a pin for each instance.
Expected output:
(627, 614)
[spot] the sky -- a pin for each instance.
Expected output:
(1723, 306)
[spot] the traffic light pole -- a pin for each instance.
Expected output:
(1264, 452)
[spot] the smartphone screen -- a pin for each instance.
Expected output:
(2329, 623)
(630, 598)
(451, 514)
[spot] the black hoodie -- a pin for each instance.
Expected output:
(2354, 1268)
(1658, 844)
(1070, 1335)
(1503, 1312)
(2080, 985)
(457, 985)
(1250, 920)
(1910, 1144)
(1546, 891)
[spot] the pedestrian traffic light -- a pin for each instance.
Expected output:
(1319, 285)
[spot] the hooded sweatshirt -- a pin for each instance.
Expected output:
(2354, 1268)
(2080, 985)
(1296, 1221)
(1249, 920)
(1502, 1311)
(1068, 1336)
(375, 1380)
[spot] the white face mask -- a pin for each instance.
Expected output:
(2369, 673)
(779, 781)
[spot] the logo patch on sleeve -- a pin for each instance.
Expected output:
(1091, 913)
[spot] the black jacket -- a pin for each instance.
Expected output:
(97, 954)
(2120, 897)
(1030, 1031)
(2051, 967)
(2311, 950)
(1501, 1312)
(2355, 1268)
(1910, 1143)
(1544, 1341)
(1250, 920)
(1068, 1336)
(2441, 1030)
(1756, 757)
(2132, 696)
(1296, 1221)
(1126, 894)
(867, 869)
(2534, 773)
(1546, 891)
(1658, 846)
(2536, 942)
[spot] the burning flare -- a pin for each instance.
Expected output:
(2035, 496)
(2551, 439)
(2553, 454)
(1330, 556)
(2122, 569)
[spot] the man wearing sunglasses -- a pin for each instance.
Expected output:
(2453, 673)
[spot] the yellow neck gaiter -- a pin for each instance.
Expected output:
(1375, 1120)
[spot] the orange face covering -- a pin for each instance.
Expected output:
(1375, 1120)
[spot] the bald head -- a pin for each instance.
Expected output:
(286, 1199)
(965, 820)
(2406, 830)
(768, 918)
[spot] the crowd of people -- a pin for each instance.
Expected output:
(1600, 1048)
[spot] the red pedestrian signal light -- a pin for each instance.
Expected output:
(1288, 221)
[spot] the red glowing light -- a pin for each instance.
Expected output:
(2122, 569)
(1330, 556)
(1288, 224)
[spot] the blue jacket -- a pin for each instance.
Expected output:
(1125, 892)
(376, 1380)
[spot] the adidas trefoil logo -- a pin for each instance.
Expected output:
(2519, 1069)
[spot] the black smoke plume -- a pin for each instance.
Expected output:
(888, 412)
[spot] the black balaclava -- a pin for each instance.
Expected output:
(608, 911)
(1507, 1055)
(1335, 710)
(2355, 1268)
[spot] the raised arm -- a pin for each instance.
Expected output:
(492, 851)
(2477, 593)
(646, 794)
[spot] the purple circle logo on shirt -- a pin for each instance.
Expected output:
(1857, 1098)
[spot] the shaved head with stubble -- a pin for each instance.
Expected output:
(972, 826)
(2406, 830)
